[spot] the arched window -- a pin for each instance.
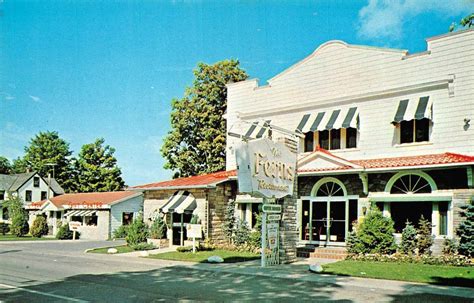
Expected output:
(329, 187)
(411, 183)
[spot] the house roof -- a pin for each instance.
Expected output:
(87, 200)
(207, 180)
(15, 181)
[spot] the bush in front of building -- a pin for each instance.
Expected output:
(229, 221)
(158, 228)
(64, 233)
(408, 243)
(373, 235)
(241, 233)
(465, 231)
(425, 239)
(451, 260)
(137, 232)
(450, 247)
(4, 228)
(255, 239)
(19, 217)
(121, 232)
(39, 227)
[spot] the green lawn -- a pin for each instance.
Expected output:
(433, 274)
(201, 256)
(9, 237)
(120, 249)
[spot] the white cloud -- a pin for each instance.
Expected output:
(35, 98)
(386, 18)
(6, 96)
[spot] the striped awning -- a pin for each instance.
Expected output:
(413, 110)
(336, 119)
(258, 130)
(181, 202)
(80, 213)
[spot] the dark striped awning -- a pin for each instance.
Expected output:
(258, 130)
(339, 118)
(413, 109)
(181, 202)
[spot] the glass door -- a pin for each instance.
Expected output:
(337, 221)
(319, 226)
(328, 221)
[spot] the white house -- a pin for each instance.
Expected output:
(29, 187)
(377, 125)
(100, 214)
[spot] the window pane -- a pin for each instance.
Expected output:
(443, 218)
(127, 218)
(401, 212)
(335, 138)
(28, 196)
(324, 139)
(351, 138)
(44, 195)
(309, 142)
(91, 221)
(36, 181)
(422, 130)
(406, 131)
(2, 195)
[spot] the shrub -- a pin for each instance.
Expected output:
(374, 234)
(64, 233)
(121, 232)
(137, 232)
(408, 244)
(158, 228)
(142, 246)
(184, 249)
(229, 221)
(4, 228)
(452, 260)
(450, 247)
(424, 239)
(241, 233)
(39, 227)
(19, 217)
(255, 239)
(465, 231)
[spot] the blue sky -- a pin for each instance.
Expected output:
(90, 69)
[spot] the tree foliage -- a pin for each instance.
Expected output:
(5, 166)
(229, 220)
(465, 231)
(196, 143)
(48, 148)
(39, 227)
(465, 22)
(137, 232)
(158, 228)
(19, 166)
(425, 239)
(408, 244)
(96, 168)
(18, 216)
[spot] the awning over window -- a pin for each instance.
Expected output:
(329, 120)
(413, 109)
(80, 213)
(257, 130)
(181, 202)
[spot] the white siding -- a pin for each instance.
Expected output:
(35, 191)
(134, 205)
(338, 75)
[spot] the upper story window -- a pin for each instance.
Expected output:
(330, 130)
(2, 195)
(44, 195)
(28, 196)
(414, 118)
(36, 181)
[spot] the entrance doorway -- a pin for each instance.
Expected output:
(329, 221)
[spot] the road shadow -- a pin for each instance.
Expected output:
(175, 283)
(10, 251)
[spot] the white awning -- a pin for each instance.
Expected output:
(257, 130)
(181, 202)
(80, 213)
(339, 118)
(414, 110)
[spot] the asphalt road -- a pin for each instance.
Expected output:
(62, 272)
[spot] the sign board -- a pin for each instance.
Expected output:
(265, 168)
(271, 208)
(272, 235)
(74, 225)
(274, 217)
(194, 231)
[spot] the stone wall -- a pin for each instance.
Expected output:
(289, 228)
(352, 183)
(218, 199)
(460, 197)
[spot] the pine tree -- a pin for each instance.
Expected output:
(408, 244)
(465, 231)
(424, 239)
(229, 221)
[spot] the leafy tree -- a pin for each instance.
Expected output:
(465, 231)
(424, 240)
(408, 244)
(19, 166)
(96, 168)
(374, 234)
(5, 166)
(48, 148)
(18, 215)
(137, 232)
(196, 143)
(39, 227)
(229, 220)
(158, 228)
(466, 22)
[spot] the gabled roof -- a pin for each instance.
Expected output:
(87, 200)
(207, 180)
(15, 181)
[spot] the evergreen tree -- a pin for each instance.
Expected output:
(465, 231)
(137, 232)
(408, 244)
(45, 149)
(96, 168)
(424, 240)
(196, 143)
(229, 220)
(5, 166)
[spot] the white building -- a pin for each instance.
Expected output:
(100, 214)
(377, 126)
(29, 187)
